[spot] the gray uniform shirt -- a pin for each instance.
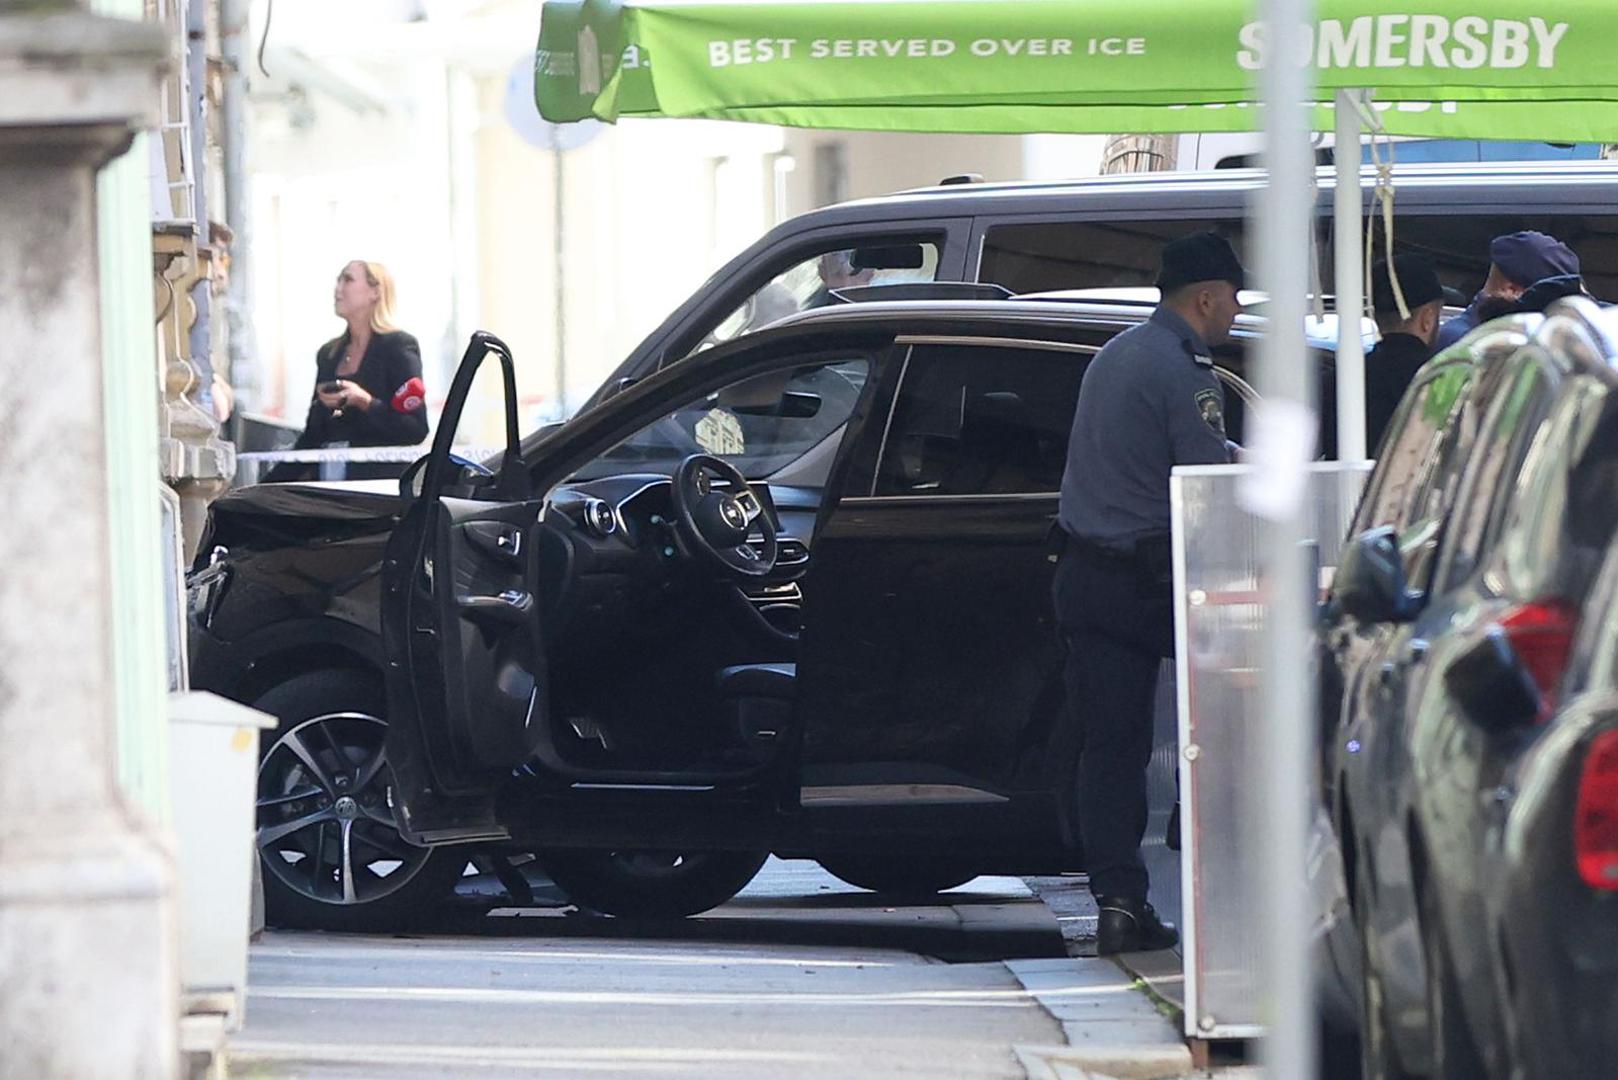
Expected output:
(1149, 401)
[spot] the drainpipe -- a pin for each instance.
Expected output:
(245, 377)
(88, 980)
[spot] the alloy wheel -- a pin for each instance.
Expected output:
(325, 812)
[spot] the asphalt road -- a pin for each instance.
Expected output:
(799, 976)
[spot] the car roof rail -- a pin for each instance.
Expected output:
(923, 290)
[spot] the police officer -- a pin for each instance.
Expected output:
(1149, 401)
(1406, 340)
(1516, 262)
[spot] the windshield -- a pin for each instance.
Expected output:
(760, 424)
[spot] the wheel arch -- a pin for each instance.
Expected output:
(265, 660)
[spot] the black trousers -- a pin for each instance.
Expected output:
(1117, 622)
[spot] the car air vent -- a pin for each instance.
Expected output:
(792, 553)
(599, 517)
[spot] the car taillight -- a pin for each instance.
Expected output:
(1595, 817)
(1542, 636)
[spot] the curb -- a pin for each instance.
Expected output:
(1114, 1030)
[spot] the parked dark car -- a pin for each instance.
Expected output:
(1450, 632)
(582, 651)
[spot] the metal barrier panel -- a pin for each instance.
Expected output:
(1219, 625)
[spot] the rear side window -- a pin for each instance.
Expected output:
(981, 420)
(1508, 429)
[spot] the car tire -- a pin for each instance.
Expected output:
(1379, 1058)
(321, 765)
(897, 876)
(651, 885)
(1454, 1054)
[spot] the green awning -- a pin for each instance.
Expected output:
(1455, 68)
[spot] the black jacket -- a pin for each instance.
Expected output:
(1389, 368)
(391, 372)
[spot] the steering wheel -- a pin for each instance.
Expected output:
(716, 524)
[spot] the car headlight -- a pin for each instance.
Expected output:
(203, 591)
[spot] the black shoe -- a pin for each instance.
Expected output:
(1131, 926)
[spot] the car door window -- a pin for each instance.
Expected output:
(971, 419)
(1508, 428)
(809, 283)
(760, 424)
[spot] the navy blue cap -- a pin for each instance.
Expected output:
(1527, 257)
(1417, 280)
(1203, 256)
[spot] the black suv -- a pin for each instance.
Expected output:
(791, 595)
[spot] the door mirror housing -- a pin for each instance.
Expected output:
(472, 474)
(1491, 684)
(1370, 582)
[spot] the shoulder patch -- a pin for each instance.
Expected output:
(1211, 406)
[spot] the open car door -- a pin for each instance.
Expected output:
(466, 678)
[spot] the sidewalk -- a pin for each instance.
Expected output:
(798, 977)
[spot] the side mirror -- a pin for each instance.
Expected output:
(1492, 685)
(1370, 581)
(411, 479)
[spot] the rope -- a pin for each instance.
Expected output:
(1384, 193)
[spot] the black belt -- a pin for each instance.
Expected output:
(1124, 555)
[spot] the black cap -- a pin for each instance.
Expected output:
(1527, 257)
(1417, 280)
(1203, 256)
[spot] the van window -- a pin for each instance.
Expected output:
(1043, 256)
(810, 283)
(1046, 255)
(1458, 245)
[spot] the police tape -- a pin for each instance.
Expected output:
(361, 454)
(252, 464)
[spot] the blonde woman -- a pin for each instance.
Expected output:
(368, 388)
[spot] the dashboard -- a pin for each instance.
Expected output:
(620, 529)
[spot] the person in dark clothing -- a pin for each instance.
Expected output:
(1516, 261)
(1149, 401)
(368, 385)
(1545, 292)
(1407, 337)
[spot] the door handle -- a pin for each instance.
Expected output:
(498, 539)
(510, 608)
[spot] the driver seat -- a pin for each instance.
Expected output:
(755, 702)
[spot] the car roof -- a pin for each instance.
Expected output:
(1056, 311)
(1507, 184)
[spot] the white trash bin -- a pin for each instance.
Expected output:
(213, 772)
